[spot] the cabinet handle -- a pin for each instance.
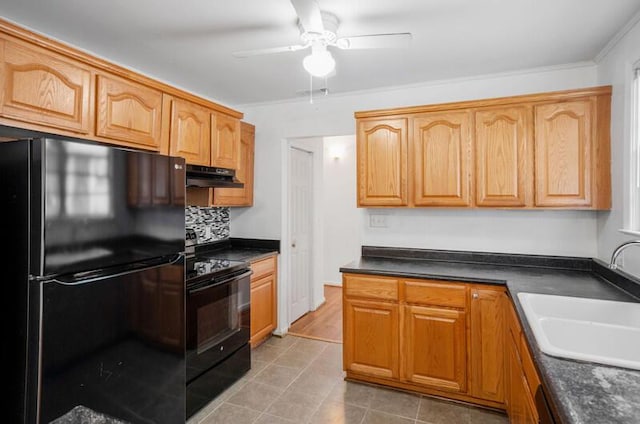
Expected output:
(475, 295)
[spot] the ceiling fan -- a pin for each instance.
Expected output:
(318, 30)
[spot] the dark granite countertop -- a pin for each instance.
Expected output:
(235, 249)
(579, 392)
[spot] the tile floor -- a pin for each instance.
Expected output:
(297, 380)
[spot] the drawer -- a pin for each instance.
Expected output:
(435, 293)
(263, 267)
(371, 287)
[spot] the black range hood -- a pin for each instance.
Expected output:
(208, 176)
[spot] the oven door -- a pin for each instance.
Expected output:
(218, 319)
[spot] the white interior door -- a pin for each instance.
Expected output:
(300, 231)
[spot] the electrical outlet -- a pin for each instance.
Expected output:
(378, 221)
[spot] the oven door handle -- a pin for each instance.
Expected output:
(218, 283)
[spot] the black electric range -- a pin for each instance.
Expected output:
(218, 319)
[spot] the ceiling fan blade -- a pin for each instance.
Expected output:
(272, 50)
(309, 14)
(375, 41)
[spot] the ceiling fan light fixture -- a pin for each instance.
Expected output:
(319, 63)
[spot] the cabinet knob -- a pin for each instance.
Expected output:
(475, 295)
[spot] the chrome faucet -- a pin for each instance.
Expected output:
(619, 249)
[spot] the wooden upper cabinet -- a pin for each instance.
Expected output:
(225, 141)
(441, 151)
(244, 173)
(504, 155)
(435, 347)
(189, 135)
(563, 157)
(128, 112)
(487, 343)
(41, 87)
(382, 162)
(547, 150)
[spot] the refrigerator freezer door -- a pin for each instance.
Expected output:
(104, 206)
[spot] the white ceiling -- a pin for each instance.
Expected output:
(189, 43)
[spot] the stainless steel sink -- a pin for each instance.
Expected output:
(601, 331)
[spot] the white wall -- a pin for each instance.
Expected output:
(567, 233)
(616, 69)
(342, 224)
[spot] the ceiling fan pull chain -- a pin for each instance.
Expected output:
(310, 89)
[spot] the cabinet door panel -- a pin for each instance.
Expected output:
(521, 408)
(244, 173)
(441, 152)
(263, 308)
(435, 347)
(382, 163)
(128, 112)
(225, 141)
(563, 153)
(487, 344)
(503, 151)
(372, 342)
(190, 134)
(44, 88)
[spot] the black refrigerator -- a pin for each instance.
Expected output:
(93, 283)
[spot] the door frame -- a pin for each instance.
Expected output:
(316, 294)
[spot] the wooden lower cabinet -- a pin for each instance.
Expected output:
(521, 408)
(457, 340)
(487, 343)
(420, 335)
(434, 347)
(371, 340)
(264, 299)
(521, 376)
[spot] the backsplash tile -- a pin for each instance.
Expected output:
(210, 224)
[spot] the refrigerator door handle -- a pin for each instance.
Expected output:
(75, 280)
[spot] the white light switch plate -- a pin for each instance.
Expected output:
(378, 221)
